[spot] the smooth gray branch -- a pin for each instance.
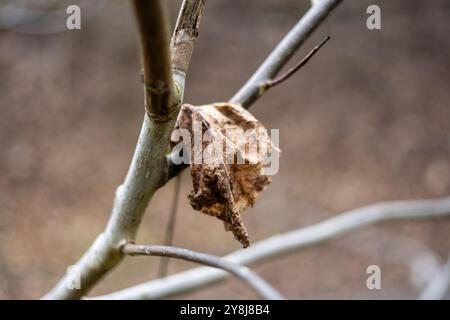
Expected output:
(287, 243)
(259, 285)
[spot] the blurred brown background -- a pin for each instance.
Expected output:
(366, 120)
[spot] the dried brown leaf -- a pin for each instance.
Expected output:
(229, 176)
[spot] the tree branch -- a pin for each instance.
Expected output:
(163, 268)
(250, 92)
(287, 243)
(186, 31)
(148, 168)
(259, 285)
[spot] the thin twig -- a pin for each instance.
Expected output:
(259, 285)
(168, 240)
(266, 85)
(284, 50)
(290, 242)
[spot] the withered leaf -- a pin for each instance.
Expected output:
(227, 149)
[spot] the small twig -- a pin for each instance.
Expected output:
(266, 85)
(259, 285)
(168, 240)
(284, 50)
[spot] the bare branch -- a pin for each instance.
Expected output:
(260, 286)
(289, 242)
(148, 168)
(186, 31)
(183, 40)
(249, 93)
